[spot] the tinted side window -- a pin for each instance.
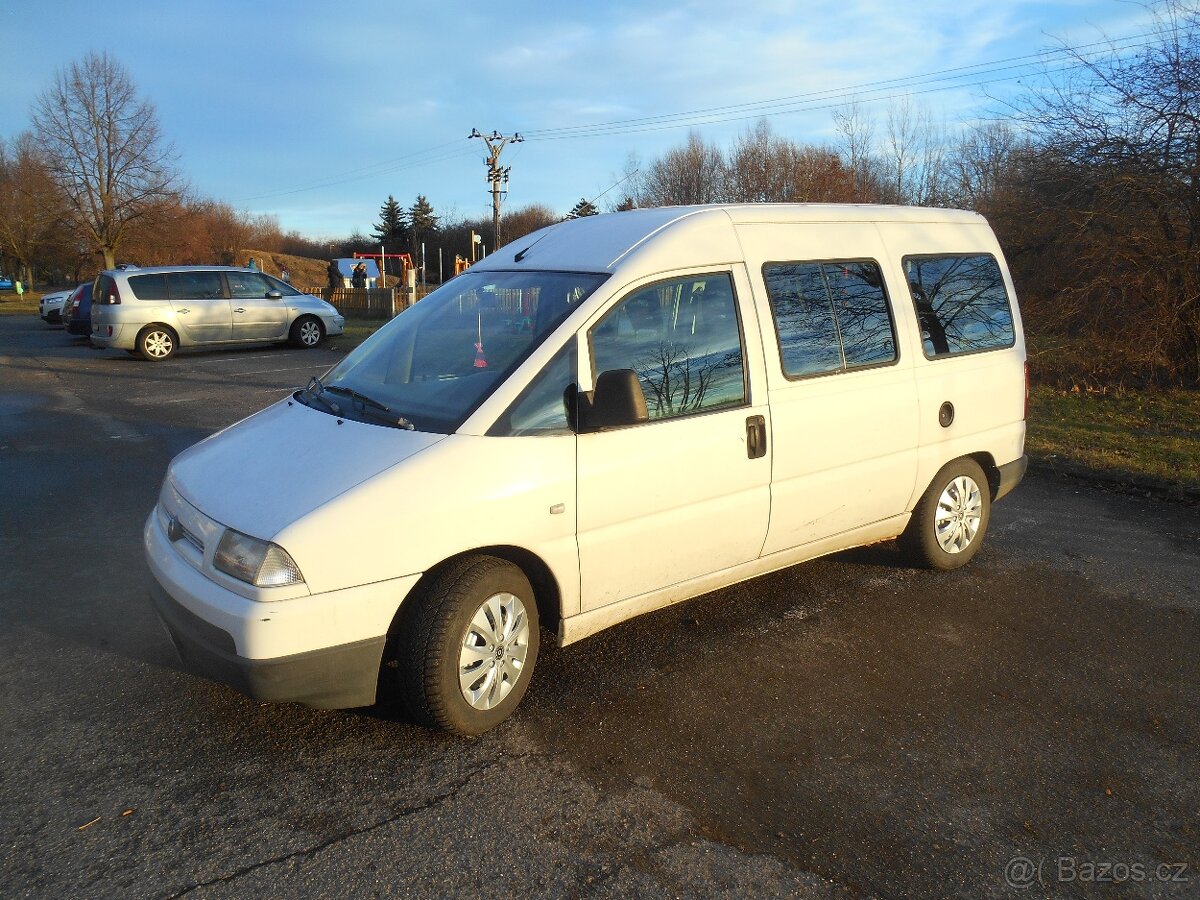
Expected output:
(829, 316)
(195, 285)
(683, 339)
(148, 287)
(247, 285)
(961, 303)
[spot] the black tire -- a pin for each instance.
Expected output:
(307, 333)
(951, 519)
(157, 342)
(432, 644)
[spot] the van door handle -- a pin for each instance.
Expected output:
(756, 437)
(240, 309)
(183, 311)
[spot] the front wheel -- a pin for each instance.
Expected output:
(307, 332)
(468, 647)
(156, 342)
(951, 518)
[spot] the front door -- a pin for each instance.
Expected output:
(255, 315)
(688, 492)
(200, 306)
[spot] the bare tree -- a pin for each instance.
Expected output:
(1115, 184)
(858, 141)
(31, 226)
(104, 148)
(694, 173)
(766, 168)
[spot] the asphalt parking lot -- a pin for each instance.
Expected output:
(1025, 726)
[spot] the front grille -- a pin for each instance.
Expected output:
(176, 531)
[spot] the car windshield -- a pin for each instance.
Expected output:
(435, 363)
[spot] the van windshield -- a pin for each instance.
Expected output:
(435, 363)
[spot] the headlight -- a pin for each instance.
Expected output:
(255, 562)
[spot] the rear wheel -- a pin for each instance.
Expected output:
(307, 332)
(156, 342)
(951, 518)
(468, 647)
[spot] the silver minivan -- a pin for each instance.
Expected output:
(154, 311)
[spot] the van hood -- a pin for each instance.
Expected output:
(270, 470)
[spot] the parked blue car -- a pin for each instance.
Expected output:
(6, 283)
(77, 311)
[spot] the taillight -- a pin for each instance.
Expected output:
(1026, 415)
(108, 294)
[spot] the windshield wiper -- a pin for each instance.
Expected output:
(314, 391)
(363, 402)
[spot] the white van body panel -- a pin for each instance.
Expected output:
(845, 443)
(986, 389)
(474, 492)
(264, 465)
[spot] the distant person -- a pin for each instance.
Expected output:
(253, 264)
(19, 288)
(285, 274)
(359, 278)
(334, 274)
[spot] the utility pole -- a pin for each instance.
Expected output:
(497, 177)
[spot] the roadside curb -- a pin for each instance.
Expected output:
(1118, 482)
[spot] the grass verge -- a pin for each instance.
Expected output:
(355, 332)
(25, 305)
(1144, 438)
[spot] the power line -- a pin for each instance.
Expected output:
(812, 101)
(804, 102)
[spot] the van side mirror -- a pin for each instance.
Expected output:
(274, 295)
(618, 399)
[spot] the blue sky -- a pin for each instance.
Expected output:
(315, 115)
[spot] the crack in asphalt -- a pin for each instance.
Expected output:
(403, 813)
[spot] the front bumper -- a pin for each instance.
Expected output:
(323, 650)
(331, 678)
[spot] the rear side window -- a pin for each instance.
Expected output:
(148, 287)
(961, 303)
(830, 316)
(195, 285)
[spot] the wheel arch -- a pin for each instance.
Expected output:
(546, 590)
(990, 470)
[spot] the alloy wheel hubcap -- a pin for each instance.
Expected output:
(493, 651)
(959, 514)
(309, 333)
(158, 343)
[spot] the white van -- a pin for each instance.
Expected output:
(610, 415)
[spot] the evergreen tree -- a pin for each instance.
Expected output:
(391, 227)
(422, 223)
(583, 208)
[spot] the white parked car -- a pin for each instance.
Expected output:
(50, 307)
(605, 417)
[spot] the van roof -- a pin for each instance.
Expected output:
(680, 236)
(156, 270)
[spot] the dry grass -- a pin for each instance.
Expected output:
(26, 304)
(1147, 435)
(306, 272)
